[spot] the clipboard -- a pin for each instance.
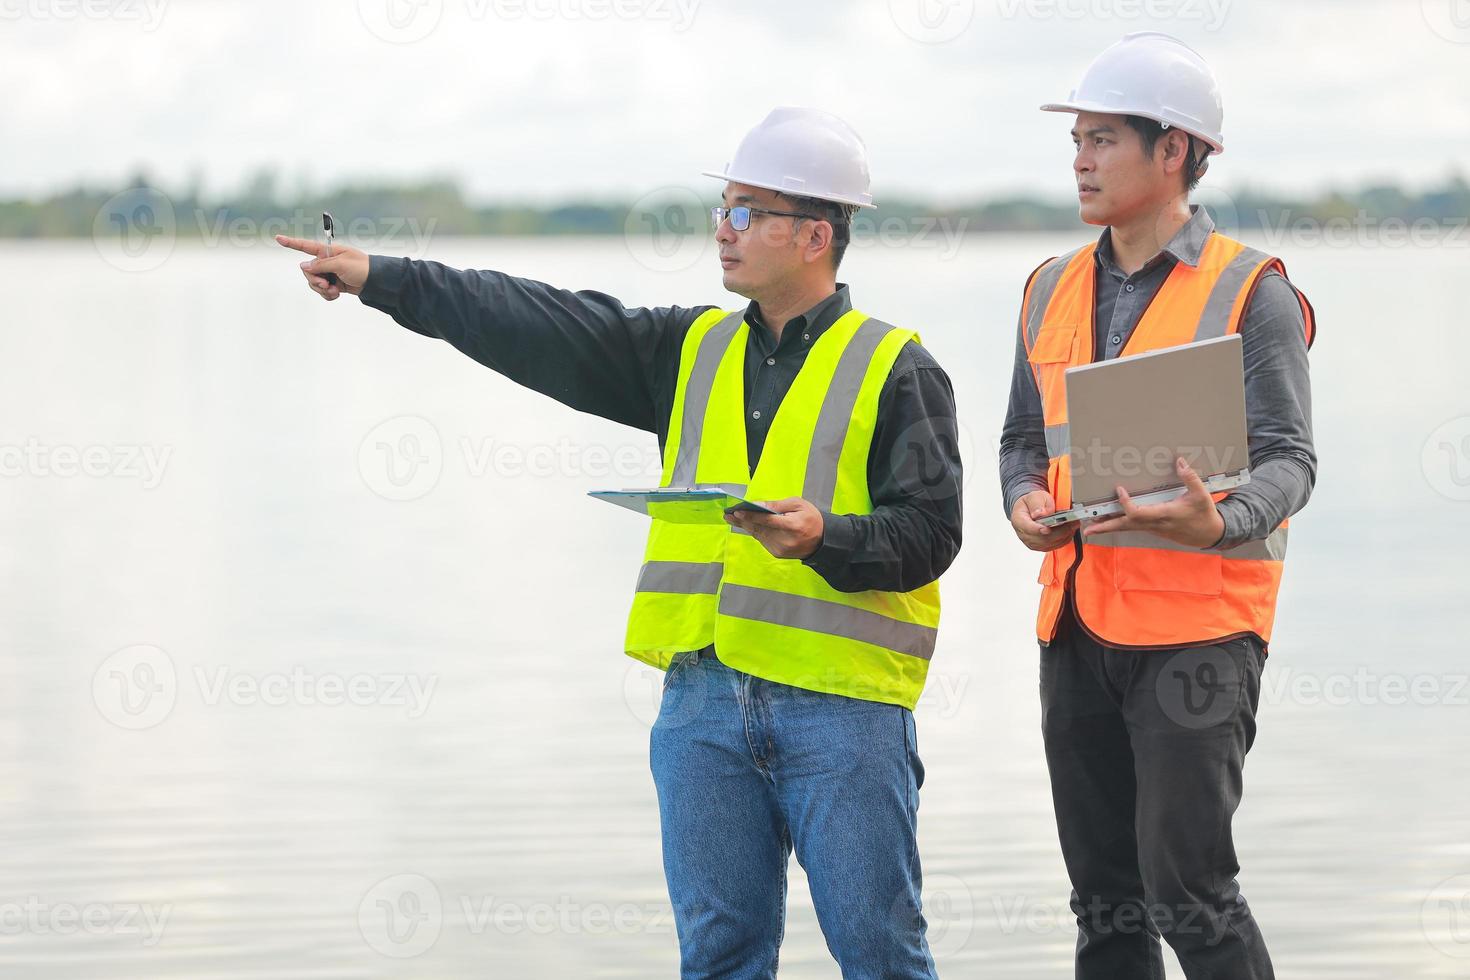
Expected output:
(681, 505)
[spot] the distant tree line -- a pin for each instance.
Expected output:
(439, 207)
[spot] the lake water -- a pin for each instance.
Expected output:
(307, 621)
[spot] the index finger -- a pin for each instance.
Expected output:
(307, 245)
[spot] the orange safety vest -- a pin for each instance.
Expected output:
(1131, 588)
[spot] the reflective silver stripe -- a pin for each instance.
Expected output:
(1042, 288)
(1273, 548)
(1058, 440)
(832, 618)
(1215, 319)
(835, 416)
(696, 396)
(682, 577)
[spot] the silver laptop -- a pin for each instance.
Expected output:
(1129, 418)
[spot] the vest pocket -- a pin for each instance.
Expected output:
(1148, 570)
(1053, 343)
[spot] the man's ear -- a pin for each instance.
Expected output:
(819, 239)
(1176, 151)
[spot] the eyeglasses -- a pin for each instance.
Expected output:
(740, 216)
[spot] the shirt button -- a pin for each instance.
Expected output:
(756, 414)
(770, 360)
(1114, 338)
(1129, 287)
(806, 336)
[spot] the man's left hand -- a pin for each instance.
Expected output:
(1189, 520)
(794, 531)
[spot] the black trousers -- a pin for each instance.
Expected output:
(1145, 751)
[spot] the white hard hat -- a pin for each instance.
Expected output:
(803, 152)
(1155, 76)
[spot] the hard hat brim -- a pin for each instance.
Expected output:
(867, 201)
(1115, 110)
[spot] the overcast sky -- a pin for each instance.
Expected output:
(544, 99)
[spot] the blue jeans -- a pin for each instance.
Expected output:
(748, 770)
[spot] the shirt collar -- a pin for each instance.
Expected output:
(1186, 246)
(814, 322)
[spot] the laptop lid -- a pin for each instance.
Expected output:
(1130, 417)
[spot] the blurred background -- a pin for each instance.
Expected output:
(311, 661)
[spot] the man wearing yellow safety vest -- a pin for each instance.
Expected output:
(795, 645)
(1154, 623)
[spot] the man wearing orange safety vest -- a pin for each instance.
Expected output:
(1154, 624)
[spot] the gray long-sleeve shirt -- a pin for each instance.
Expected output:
(1278, 395)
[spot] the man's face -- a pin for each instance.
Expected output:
(1116, 179)
(769, 251)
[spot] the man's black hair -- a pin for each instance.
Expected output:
(839, 216)
(1150, 132)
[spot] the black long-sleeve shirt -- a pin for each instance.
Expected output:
(588, 351)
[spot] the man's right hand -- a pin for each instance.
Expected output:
(1037, 537)
(350, 265)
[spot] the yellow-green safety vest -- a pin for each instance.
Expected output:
(771, 617)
